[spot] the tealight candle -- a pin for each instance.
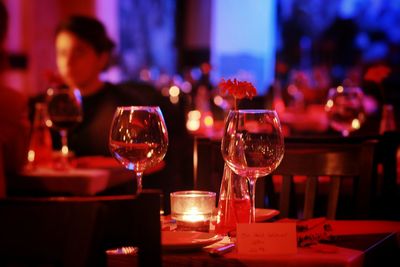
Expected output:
(192, 210)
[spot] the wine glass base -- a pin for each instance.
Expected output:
(63, 162)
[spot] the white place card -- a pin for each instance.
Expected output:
(267, 238)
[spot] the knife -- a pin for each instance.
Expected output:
(216, 252)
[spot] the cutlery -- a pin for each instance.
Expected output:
(222, 250)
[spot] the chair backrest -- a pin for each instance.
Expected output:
(46, 232)
(76, 231)
(208, 164)
(208, 168)
(128, 221)
(387, 203)
(337, 159)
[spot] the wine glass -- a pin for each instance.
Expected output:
(64, 108)
(252, 146)
(138, 138)
(345, 109)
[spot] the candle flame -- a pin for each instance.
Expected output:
(193, 215)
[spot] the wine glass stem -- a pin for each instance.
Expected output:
(252, 191)
(139, 187)
(64, 148)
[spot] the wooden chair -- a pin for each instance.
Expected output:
(76, 231)
(208, 164)
(129, 221)
(389, 192)
(38, 232)
(208, 167)
(338, 158)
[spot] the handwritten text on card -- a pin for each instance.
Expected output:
(267, 238)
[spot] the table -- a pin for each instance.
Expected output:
(346, 251)
(90, 176)
(357, 243)
(312, 119)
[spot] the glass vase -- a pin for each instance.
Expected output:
(234, 202)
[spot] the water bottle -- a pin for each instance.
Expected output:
(40, 147)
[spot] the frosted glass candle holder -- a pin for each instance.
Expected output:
(192, 210)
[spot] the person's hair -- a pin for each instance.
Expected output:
(88, 29)
(3, 21)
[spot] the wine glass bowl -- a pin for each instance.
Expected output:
(64, 109)
(138, 138)
(252, 145)
(345, 109)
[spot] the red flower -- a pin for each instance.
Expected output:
(377, 73)
(237, 89)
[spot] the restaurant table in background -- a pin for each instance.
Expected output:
(312, 119)
(91, 176)
(354, 243)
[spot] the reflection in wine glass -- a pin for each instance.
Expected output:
(64, 108)
(345, 109)
(252, 145)
(138, 138)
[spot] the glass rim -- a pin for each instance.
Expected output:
(253, 111)
(50, 91)
(137, 107)
(342, 88)
(193, 193)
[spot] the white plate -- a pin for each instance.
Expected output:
(265, 214)
(182, 240)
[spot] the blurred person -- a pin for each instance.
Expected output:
(83, 51)
(14, 124)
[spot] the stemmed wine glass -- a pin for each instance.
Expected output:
(64, 108)
(138, 138)
(252, 146)
(345, 109)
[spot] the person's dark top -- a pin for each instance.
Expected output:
(91, 136)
